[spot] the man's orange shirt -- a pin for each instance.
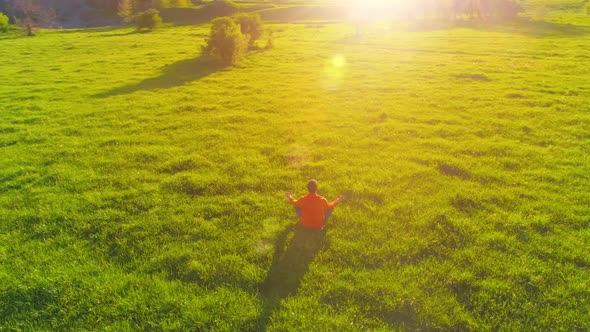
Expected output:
(313, 209)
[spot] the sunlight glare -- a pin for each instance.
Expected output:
(338, 61)
(334, 72)
(375, 10)
(377, 3)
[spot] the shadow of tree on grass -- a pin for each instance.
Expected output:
(176, 74)
(91, 30)
(123, 33)
(288, 267)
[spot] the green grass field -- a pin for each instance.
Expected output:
(142, 185)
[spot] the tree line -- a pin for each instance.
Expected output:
(30, 14)
(486, 8)
(443, 9)
(49, 13)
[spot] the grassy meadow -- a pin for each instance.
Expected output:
(142, 185)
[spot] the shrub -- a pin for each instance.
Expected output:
(251, 25)
(148, 19)
(3, 23)
(588, 8)
(231, 36)
(227, 41)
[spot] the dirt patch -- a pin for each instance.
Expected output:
(474, 77)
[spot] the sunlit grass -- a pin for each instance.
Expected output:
(142, 186)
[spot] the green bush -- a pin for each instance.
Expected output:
(3, 23)
(148, 19)
(588, 8)
(227, 41)
(232, 36)
(251, 25)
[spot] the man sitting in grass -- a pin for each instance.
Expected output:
(312, 209)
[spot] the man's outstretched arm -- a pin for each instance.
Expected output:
(334, 203)
(292, 200)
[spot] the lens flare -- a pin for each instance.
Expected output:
(334, 71)
(338, 61)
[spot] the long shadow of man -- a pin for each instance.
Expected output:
(288, 267)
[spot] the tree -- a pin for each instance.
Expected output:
(3, 22)
(251, 25)
(148, 19)
(31, 14)
(127, 9)
(483, 9)
(227, 41)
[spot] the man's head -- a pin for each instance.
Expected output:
(312, 186)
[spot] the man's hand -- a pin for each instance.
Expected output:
(289, 196)
(340, 198)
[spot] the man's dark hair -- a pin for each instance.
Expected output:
(312, 186)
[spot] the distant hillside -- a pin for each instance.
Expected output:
(94, 13)
(69, 13)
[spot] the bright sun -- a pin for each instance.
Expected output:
(379, 5)
(375, 3)
(374, 8)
